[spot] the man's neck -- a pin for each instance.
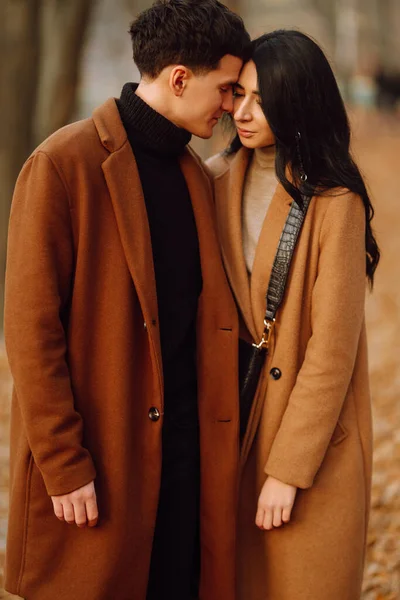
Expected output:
(153, 95)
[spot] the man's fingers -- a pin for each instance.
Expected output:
(69, 514)
(260, 517)
(277, 518)
(268, 517)
(79, 506)
(58, 509)
(80, 513)
(286, 514)
(92, 511)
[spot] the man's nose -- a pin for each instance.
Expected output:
(227, 104)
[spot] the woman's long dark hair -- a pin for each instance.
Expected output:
(305, 111)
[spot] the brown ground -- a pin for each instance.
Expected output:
(377, 147)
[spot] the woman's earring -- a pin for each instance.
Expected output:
(303, 174)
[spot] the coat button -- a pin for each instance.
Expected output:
(154, 414)
(145, 325)
(275, 373)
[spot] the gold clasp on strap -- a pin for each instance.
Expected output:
(268, 329)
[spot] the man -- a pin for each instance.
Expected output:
(121, 335)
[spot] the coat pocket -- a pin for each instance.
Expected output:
(340, 433)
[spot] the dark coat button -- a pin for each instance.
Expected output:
(275, 373)
(154, 414)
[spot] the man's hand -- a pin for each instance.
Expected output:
(78, 507)
(275, 504)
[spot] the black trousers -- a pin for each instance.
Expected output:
(175, 561)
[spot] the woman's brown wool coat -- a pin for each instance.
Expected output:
(83, 342)
(311, 426)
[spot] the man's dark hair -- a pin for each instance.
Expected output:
(194, 33)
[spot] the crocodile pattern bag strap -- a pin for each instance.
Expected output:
(283, 257)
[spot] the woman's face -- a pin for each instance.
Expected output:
(250, 121)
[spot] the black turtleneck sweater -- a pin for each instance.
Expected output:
(157, 145)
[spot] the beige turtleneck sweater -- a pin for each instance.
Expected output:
(259, 187)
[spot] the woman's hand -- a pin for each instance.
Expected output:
(275, 504)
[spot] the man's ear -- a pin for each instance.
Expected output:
(178, 79)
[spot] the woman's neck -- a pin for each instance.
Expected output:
(265, 157)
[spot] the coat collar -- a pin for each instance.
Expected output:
(250, 291)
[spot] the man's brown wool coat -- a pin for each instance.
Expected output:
(82, 337)
(310, 426)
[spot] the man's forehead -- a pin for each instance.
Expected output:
(229, 80)
(229, 69)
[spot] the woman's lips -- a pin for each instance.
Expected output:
(245, 132)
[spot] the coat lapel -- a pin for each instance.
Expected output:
(229, 194)
(201, 194)
(250, 292)
(123, 182)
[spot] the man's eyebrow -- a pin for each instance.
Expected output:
(237, 84)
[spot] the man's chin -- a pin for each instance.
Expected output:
(205, 134)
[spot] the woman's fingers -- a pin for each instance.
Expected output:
(260, 517)
(286, 514)
(275, 503)
(277, 518)
(268, 519)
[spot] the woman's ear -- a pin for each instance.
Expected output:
(178, 79)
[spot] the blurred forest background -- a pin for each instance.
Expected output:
(61, 58)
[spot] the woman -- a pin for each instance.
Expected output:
(306, 455)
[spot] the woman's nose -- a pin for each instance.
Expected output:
(241, 114)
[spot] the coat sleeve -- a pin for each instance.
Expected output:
(39, 280)
(337, 314)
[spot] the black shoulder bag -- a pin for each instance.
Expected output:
(252, 356)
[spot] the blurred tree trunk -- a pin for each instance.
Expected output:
(347, 42)
(388, 20)
(41, 44)
(327, 9)
(18, 83)
(63, 25)
(233, 5)
(340, 18)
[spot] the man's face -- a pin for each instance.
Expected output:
(206, 97)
